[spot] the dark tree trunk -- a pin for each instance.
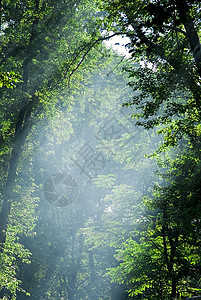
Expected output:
(174, 288)
(191, 32)
(20, 138)
(22, 128)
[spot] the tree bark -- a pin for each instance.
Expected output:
(20, 138)
(191, 32)
(22, 128)
(174, 288)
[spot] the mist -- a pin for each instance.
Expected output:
(100, 152)
(91, 174)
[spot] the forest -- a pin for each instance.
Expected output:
(100, 149)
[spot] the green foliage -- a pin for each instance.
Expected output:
(70, 85)
(49, 45)
(165, 247)
(168, 78)
(8, 79)
(161, 259)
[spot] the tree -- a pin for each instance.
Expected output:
(72, 250)
(162, 258)
(165, 39)
(165, 42)
(45, 43)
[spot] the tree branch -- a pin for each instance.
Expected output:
(191, 32)
(90, 46)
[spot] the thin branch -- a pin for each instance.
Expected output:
(89, 49)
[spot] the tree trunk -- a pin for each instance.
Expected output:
(22, 127)
(174, 288)
(191, 32)
(20, 137)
